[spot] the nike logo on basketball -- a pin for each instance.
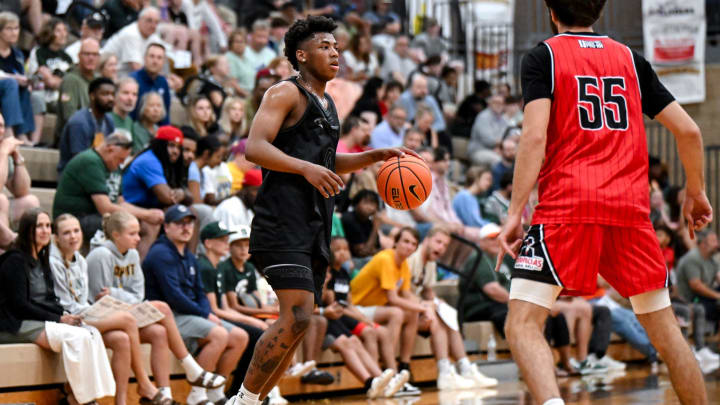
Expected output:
(412, 191)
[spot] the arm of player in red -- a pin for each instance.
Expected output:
(277, 104)
(350, 162)
(697, 210)
(529, 159)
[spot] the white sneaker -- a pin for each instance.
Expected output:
(379, 383)
(300, 369)
(610, 363)
(396, 384)
(481, 380)
(274, 397)
(232, 400)
(408, 390)
(453, 381)
(708, 355)
(697, 355)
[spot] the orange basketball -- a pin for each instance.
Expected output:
(404, 183)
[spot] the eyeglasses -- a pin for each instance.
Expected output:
(90, 53)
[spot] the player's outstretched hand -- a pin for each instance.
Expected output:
(387, 153)
(697, 211)
(510, 238)
(323, 179)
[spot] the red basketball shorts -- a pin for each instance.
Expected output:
(571, 256)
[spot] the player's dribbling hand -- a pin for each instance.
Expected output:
(323, 179)
(510, 238)
(387, 153)
(697, 211)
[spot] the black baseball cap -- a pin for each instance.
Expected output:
(214, 230)
(95, 20)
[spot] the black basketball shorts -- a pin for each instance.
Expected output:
(293, 271)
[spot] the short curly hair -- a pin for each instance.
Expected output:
(302, 30)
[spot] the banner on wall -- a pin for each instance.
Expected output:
(674, 38)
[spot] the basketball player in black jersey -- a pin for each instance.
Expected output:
(293, 137)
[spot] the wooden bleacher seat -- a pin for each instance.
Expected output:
(41, 164)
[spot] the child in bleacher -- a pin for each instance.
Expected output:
(346, 324)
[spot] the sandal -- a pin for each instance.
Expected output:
(158, 399)
(207, 379)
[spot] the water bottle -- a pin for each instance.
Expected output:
(491, 348)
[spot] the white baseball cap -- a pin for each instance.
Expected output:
(241, 232)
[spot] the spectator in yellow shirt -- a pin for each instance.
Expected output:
(381, 290)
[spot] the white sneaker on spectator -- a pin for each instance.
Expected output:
(396, 384)
(697, 355)
(274, 397)
(608, 362)
(300, 369)
(708, 355)
(588, 366)
(454, 381)
(408, 390)
(481, 380)
(379, 383)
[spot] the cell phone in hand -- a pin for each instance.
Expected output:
(343, 303)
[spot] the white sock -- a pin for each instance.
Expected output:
(443, 366)
(197, 394)
(554, 401)
(216, 394)
(247, 397)
(165, 391)
(464, 365)
(192, 368)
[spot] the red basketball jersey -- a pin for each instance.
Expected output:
(596, 163)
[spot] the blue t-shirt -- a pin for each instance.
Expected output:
(144, 173)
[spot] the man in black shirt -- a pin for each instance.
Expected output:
(294, 137)
(119, 14)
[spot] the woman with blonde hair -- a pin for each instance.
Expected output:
(232, 119)
(151, 111)
(202, 117)
(108, 66)
(116, 271)
(119, 330)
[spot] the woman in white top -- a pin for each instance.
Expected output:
(361, 59)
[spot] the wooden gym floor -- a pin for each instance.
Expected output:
(636, 385)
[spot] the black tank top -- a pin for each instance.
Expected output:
(290, 214)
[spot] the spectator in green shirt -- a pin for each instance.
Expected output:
(240, 280)
(126, 96)
(90, 187)
(73, 90)
(698, 275)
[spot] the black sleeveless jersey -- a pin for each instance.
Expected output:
(290, 213)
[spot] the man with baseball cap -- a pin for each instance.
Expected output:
(238, 210)
(172, 275)
(93, 26)
(214, 237)
(155, 177)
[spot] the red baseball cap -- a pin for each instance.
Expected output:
(253, 177)
(169, 133)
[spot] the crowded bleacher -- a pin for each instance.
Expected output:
(124, 125)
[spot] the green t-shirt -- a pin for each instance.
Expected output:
(476, 301)
(85, 175)
(694, 266)
(122, 123)
(241, 282)
(211, 278)
(140, 137)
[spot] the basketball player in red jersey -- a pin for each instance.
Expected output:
(584, 143)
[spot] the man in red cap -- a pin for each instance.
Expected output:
(238, 209)
(154, 179)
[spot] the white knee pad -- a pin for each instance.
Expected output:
(650, 301)
(535, 292)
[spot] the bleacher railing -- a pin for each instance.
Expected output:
(661, 144)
